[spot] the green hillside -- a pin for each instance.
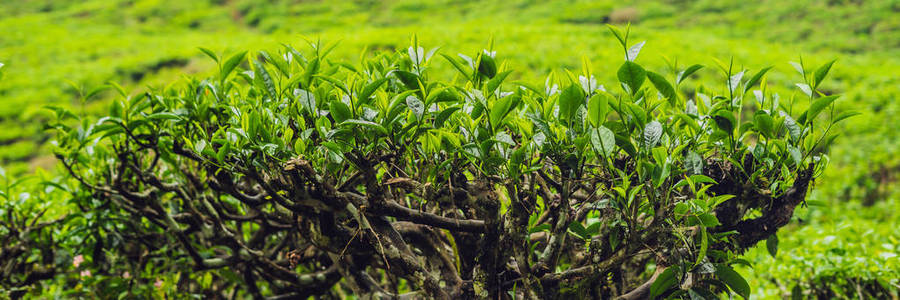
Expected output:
(843, 242)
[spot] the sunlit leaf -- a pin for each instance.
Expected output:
(632, 75)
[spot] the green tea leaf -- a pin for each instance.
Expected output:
(416, 106)
(756, 78)
(772, 244)
(633, 51)
(704, 246)
(632, 75)
(652, 133)
(681, 208)
(792, 127)
(805, 89)
(764, 123)
(603, 140)
(209, 53)
(844, 115)
(459, 67)
(734, 280)
(339, 111)
(725, 120)
(263, 75)
(709, 220)
(410, 80)
(370, 89)
(693, 163)
(501, 108)
(617, 33)
(598, 108)
(821, 72)
(569, 100)
(444, 115)
(687, 73)
(231, 63)
(798, 67)
(663, 282)
(735, 80)
(663, 86)
(660, 155)
(495, 82)
(818, 105)
(487, 66)
(307, 100)
(579, 230)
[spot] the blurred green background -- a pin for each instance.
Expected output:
(54, 52)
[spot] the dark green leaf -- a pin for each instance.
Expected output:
(444, 115)
(444, 95)
(665, 280)
(569, 101)
(311, 68)
(339, 111)
(845, 114)
(704, 246)
(370, 89)
(709, 220)
(487, 66)
(579, 230)
(734, 280)
(796, 292)
(764, 123)
(663, 86)
(725, 120)
(699, 293)
(772, 244)
(632, 75)
(410, 80)
(279, 63)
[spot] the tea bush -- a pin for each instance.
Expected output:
(290, 174)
